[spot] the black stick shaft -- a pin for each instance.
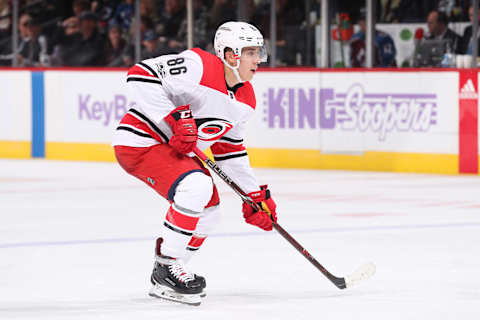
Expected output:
(339, 282)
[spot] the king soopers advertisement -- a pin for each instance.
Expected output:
(353, 110)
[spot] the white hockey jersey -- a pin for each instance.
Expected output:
(196, 78)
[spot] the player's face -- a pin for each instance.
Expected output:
(249, 61)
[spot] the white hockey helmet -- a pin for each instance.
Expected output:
(237, 35)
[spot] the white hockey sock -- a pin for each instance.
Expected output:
(191, 196)
(177, 230)
(208, 221)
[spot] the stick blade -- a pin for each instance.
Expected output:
(363, 273)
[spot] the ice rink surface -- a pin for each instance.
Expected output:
(76, 242)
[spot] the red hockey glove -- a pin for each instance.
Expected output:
(262, 219)
(184, 129)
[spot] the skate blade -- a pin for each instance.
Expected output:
(168, 294)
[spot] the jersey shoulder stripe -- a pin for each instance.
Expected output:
(147, 67)
(143, 79)
(212, 76)
(143, 73)
(246, 95)
(140, 70)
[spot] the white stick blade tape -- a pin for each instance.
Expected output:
(362, 273)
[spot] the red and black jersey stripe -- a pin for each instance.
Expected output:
(134, 118)
(143, 73)
(227, 150)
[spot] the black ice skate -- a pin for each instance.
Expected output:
(171, 281)
(203, 284)
(163, 269)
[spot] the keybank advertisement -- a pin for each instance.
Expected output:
(355, 112)
(84, 106)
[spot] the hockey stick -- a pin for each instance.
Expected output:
(362, 273)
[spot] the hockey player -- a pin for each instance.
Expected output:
(184, 100)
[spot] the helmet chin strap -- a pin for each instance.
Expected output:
(235, 70)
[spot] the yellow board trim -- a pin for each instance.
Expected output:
(370, 161)
(290, 158)
(79, 151)
(15, 149)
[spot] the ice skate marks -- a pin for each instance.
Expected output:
(165, 293)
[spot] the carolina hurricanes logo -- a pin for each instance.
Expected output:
(210, 129)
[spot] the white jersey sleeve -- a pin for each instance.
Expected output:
(161, 84)
(181, 75)
(157, 86)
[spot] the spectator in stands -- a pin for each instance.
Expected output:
(148, 8)
(23, 22)
(71, 24)
(467, 37)
(80, 6)
(289, 17)
(84, 48)
(220, 12)
(170, 22)
(201, 38)
(437, 23)
(386, 10)
(4, 16)
(456, 10)
(384, 53)
(413, 10)
(6, 51)
(151, 46)
(129, 52)
(124, 15)
(35, 51)
(115, 47)
(104, 10)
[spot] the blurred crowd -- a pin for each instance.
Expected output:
(102, 32)
(430, 48)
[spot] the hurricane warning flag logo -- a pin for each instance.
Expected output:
(210, 129)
